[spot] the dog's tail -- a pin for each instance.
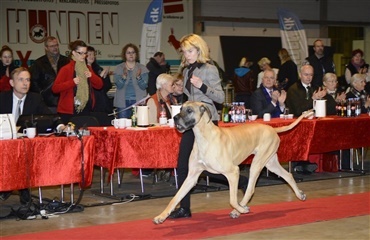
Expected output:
(293, 124)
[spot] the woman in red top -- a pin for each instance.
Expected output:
(75, 83)
(6, 67)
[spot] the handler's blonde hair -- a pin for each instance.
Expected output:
(194, 40)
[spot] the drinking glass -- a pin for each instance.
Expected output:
(286, 113)
(250, 115)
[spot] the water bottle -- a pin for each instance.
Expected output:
(163, 113)
(349, 107)
(358, 107)
(133, 117)
(225, 113)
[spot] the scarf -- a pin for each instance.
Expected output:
(361, 95)
(82, 93)
(53, 59)
(191, 69)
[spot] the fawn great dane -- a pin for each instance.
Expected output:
(221, 149)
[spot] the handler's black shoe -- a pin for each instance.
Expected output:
(180, 213)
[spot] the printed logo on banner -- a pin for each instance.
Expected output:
(38, 33)
(37, 25)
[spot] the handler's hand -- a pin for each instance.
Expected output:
(196, 81)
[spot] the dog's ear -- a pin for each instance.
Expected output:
(203, 109)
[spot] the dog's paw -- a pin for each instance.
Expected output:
(234, 214)
(303, 196)
(158, 220)
(246, 208)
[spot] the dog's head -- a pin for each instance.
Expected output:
(191, 114)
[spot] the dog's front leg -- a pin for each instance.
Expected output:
(188, 184)
(233, 179)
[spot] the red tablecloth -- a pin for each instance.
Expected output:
(335, 133)
(157, 147)
(45, 161)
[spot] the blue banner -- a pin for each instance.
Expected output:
(293, 36)
(151, 32)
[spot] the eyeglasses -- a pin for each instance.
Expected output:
(81, 53)
(179, 85)
(331, 81)
(130, 52)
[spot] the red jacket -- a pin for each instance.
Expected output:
(64, 85)
(4, 84)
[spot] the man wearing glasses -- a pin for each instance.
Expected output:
(44, 71)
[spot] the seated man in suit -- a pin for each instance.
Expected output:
(300, 98)
(300, 95)
(268, 99)
(20, 101)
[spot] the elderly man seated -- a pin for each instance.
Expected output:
(268, 99)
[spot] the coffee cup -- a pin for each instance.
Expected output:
(163, 121)
(122, 122)
(30, 132)
(267, 117)
(119, 122)
(114, 122)
(171, 122)
(128, 122)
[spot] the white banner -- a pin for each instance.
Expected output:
(151, 32)
(293, 36)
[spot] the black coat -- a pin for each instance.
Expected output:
(320, 67)
(43, 77)
(154, 70)
(287, 70)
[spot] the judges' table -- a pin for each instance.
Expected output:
(334, 133)
(45, 161)
(158, 147)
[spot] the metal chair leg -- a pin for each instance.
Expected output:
(101, 180)
(118, 177)
(351, 159)
(175, 173)
(362, 158)
(111, 185)
(62, 193)
(72, 193)
(141, 180)
(40, 195)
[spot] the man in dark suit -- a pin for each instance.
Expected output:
(44, 71)
(19, 101)
(301, 94)
(267, 99)
(300, 98)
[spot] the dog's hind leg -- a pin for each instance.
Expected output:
(274, 166)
